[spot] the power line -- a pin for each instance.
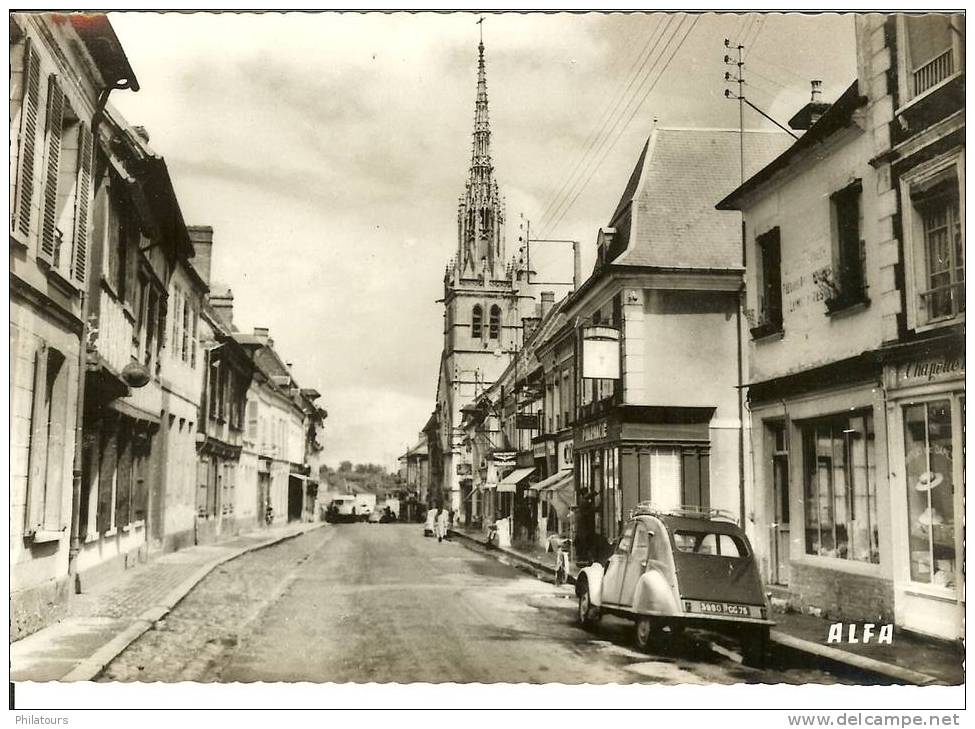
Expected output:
(597, 128)
(580, 183)
(566, 188)
(653, 85)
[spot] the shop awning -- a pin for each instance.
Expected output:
(555, 482)
(510, 482)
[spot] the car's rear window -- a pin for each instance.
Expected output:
(710, 543)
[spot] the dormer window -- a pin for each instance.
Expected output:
(477, 322)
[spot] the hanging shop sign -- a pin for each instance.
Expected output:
(463, 469)
(526, 421)
(504, 458)
(601, 353)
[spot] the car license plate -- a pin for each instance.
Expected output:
(724, 608)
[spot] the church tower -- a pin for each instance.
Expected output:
(482, 323)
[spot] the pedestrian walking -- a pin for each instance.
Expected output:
(442, 518)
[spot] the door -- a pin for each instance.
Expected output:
(263, 496)
(780, 529)
(636, 564)
(616, 569)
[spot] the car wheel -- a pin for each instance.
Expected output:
(755, 648)
(644, 633)
(588, 613)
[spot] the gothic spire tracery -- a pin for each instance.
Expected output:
(480, 215)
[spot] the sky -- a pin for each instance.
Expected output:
(328, 150)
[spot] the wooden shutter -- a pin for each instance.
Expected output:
(21, 208)
(79, 264)
(37, 450)
(55, 118)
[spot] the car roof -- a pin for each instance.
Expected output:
(685, 523)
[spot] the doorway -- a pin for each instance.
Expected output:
(779, 512)
(295, 498)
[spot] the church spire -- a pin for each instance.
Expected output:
(480, 215)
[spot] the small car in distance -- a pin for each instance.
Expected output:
(681, 568)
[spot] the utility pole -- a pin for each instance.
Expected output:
(739, 78)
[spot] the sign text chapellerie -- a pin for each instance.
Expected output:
(915, 372)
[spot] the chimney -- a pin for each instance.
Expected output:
(202, 238)
(223, 304)
(263, 333)
(548, 301)
(141, 133)
(811, 112)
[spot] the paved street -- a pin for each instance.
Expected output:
(360, 603)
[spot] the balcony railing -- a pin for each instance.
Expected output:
(933, 72)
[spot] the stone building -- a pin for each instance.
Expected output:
(912, 70)
(138, 237)
(857, 359)
(655, 331)
(62, 70)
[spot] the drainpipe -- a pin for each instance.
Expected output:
(74, 545)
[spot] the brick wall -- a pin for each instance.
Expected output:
(840, 595)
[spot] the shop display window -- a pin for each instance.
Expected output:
(840, 488)
(930, 469)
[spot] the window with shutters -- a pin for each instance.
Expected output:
(49, 434)
(25, 81)
(768, 257)
(66, 198)
(252, 421)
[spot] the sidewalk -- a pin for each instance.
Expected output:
(100, 624)
(909, 659)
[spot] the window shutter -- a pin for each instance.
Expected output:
(37, 450)
(106, 474)
(28, 141)
(55, 117)
(80, 263)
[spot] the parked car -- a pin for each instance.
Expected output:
(374, 517)
(676, 569)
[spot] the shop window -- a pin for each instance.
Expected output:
(769, 269)
(494, 327)
(477, 322)
(930, 468)
(847, 286)
(933, 50)
(840, 488)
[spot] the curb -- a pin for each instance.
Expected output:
(528, 561)
(862, 663)
(832, 655)
(89, 668)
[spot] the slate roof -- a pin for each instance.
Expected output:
(668, 203)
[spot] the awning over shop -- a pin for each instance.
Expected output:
(557, 481)
(510, 482)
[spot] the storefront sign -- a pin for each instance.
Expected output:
(933, 369)
(595, 431)
(538, 450)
